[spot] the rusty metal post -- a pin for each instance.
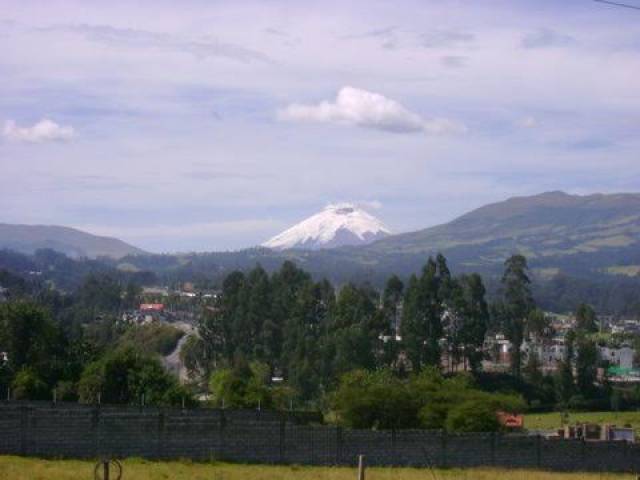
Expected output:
(361, 467)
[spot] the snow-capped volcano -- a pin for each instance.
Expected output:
(335, 226)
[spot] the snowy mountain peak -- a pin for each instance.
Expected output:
(335, 226)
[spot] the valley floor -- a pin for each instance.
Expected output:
(16, 468)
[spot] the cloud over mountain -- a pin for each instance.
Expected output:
(357, 107)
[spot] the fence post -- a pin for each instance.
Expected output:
(24, 430)
(393, 445)
(443, 444)
(160, 439)
(538, 450)
(95, 425)
(338, 445)
(493, 448)
(282, 433)
(223, 425)
(361, 467)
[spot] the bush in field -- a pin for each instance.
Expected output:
(374, 399)
(428, 400)
(247, 386)
(124, 375)
(27, 385)
(475, 415)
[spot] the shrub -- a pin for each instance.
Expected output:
(153, 338)
(381, 400)
(475, 415)
(374, 399)
(124, 376)
(27, 385)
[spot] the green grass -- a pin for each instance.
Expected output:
(15, 468)
(551, 421)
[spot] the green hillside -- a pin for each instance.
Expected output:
(70, 241)
(551, 229)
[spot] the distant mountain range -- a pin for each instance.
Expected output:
(585, 236)
(336, 226)
(70, 241)
(580, 249)
(593, 235)
(552, 229)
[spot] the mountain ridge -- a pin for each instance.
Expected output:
(583, 235)
(542, 225)
(72, 242)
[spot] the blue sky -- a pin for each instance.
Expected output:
(213, 125)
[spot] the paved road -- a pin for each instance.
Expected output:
(172, 362)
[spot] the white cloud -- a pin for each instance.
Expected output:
(354, 106)
(43, 131)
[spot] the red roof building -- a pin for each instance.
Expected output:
(152, 307)
(511, 421)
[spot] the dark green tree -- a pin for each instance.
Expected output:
(586, 319)
(473, 312)
(424, 304)
(258, 316)
(538, 324)
(586, 365)
(517, 305)
(563, 380)
(306, 343)
(32, 342)
(352, 338)
(532, 370)
(126, 376)
(214, 331)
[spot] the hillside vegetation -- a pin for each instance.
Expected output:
(70, 241)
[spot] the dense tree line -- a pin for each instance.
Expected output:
(563, 292)
(311, 333)
(285, 339)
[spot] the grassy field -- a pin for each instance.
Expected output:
(550, 421)
(15, 468)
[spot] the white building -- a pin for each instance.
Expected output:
(619, 357)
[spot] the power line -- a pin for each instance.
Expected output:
(625, 5)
